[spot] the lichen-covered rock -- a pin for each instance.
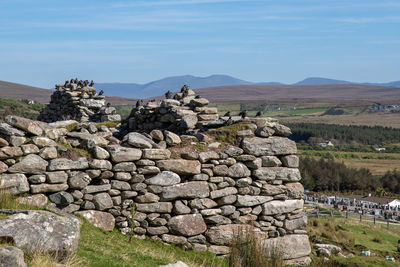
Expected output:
(67, 164)
(249, 201)
(195, 189)
(99, 219)
(272, 146)
(32, 164)
(165, 178)
(279, 207)
(43, 232)
(159, 207)
(223, 234)
(289, 246)
(27, 125)
(278, 173)
(187, 225)
(15, 183)
(122, 154)
(102, 201)
(47, 188)
(138, 140)
(11, 256)
(238, 170)
(155, 154)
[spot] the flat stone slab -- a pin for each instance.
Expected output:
(271, 146)
(99, 219)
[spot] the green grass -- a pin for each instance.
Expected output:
(19, 108)
(353, 237)
(228, 134)
(82, 152)
(109, 124)
(99, 248)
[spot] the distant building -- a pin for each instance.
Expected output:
(326, 143)
(392, 203)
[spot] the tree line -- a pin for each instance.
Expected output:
(329, 175)
(342, 134)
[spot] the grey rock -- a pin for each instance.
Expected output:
(296, 224)
(61, 198)
(24, 124)
(209, 155)
(138, 140)
(280, 207)
(195, 189)
(48, 188)
(120, 185)
(48, 152)
(66, 164)
(31, 163)
(124, 167)
(38, 200)
(188, 122)
(59, 177)
(43, 232)
(294, 190)
(159, 207)
(223, 192)
(165, 178)
(233, 151)
(176, 264)
(224, 234)
(42, 141)
(180, 166)
(156, 154)
(99, 219)
(171, 138)
(12, 257)
(123, 154)
(249, 201)
(187, 225)
(289, 246)
(277, 173)
(291, 161)
(3, 167)
(15, 183)
(100, 153)
(181, 208)
(78, 180)
(238, 170)
(8, 130)
(269, 146)
(102, 201)
(101, 164)
(90, 189)
(147, 198)
(270, 161)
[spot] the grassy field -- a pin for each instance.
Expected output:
(354, 237)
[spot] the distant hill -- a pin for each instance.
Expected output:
(221, 88)
(320, 81)
(18, 91)
(161, 86)
(281, 92)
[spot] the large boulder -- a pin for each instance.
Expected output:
(196, 189)
(180, 166)
(11, 257)
(272, 146)
(32, 164)
(187, 225)
(99, 219)
(42, 232)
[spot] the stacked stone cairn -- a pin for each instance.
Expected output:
(186, 112)
(158, 185)
(78, 100)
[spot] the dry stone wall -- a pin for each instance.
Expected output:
(78, 100)
(185, 113)
(156, 184)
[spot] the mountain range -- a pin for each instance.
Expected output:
(174, 83)
(223, 88)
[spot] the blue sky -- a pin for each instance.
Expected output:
(43, 42)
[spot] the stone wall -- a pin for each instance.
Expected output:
(163, 185)
(185, 113)
(77, 100)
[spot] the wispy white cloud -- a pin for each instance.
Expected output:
(363, 20)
